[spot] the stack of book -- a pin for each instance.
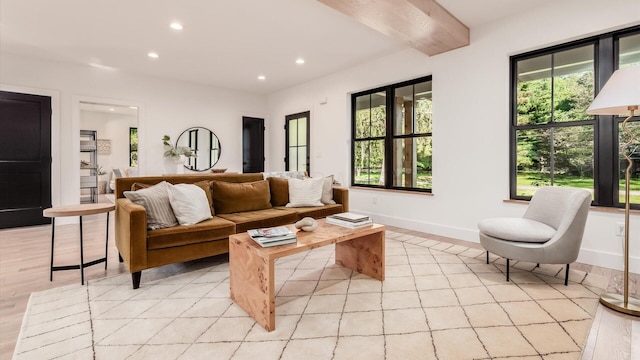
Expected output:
(349, 220)
(274, 236)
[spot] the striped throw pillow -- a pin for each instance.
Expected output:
(155, 200)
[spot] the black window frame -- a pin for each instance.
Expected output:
(389, 136)
(133, 151)
(606, 135)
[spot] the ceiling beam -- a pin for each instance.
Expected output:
(422, 24)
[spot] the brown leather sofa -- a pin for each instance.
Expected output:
(140, 248)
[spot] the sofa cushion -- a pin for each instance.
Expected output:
(189, 203)
(204, 185)
(238, 197)
(261, 218)
(316, 212)
(279, 188)
(517, 229)
(212, 229)
(155, 200)
(307, 192)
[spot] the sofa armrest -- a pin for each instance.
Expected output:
(341, 196)
(131, 234)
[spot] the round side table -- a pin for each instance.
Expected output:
(77, 210)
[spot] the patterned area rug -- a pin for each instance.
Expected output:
(439, 301)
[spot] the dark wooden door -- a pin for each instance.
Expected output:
(25, 159)
(252, 145)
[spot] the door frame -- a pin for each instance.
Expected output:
(288, 118)
(75, 137)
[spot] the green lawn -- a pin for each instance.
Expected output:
(528, 184)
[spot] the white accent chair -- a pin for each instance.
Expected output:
(550, 232)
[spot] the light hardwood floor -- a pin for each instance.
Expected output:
(24, 268)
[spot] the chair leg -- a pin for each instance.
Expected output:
(507, 269)
(487, 257)
(566, 276)
(120, 259)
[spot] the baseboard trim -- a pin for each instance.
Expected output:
(586, 256)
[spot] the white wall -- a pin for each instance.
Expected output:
(165, 107)
(471, 125)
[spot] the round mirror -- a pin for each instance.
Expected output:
(205, 144)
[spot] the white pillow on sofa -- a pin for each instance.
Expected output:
(327, 191)
(307, 192)
(189, 203)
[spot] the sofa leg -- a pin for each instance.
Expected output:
(507, 269)
(487, 257)
(566, 276)
(135, 277)
(120, 258)
(538, 265)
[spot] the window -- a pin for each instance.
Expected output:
(297, 142)
(553, 141)
(133, 147)
(391, 130)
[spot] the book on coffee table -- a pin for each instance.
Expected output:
(334, 220)
(350, 217)
(274, 236)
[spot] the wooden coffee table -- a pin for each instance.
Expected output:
(251, 267)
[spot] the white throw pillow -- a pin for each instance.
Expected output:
(155, 200)
(189, 203)
(327, 191)
(307, 192)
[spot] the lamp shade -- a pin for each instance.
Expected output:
(621, 91)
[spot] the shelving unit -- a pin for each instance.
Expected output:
(88, 167)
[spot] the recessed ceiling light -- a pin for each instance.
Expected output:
(153, 55)
(262, 77)
(112, 109)
(176, 26)
(300, 61)
(133, 107)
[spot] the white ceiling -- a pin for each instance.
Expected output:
(225, 43)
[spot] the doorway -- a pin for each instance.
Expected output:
(297, 142)
(110, 152)
(252, 145)
(25, 159)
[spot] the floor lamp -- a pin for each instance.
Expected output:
(621, 95)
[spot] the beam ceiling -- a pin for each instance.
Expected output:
(423, 24)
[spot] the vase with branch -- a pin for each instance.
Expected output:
(177, 154)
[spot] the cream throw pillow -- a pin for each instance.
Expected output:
(327, 191)
(189, 203)
(307, 192)
(155, 200)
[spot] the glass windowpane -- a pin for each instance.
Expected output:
(302, 158)
(403, 98)
(302, 131)
(533, 97)
(633, 151)
(293, 159)
(369, 159)
(547, 157)
(363, 116)
(573, 84)
(629, 51)
(412, 162)
(293, 132)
